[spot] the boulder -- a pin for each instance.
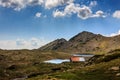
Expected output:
(115, 68)
(118, 74)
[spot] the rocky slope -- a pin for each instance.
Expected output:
(85, 42)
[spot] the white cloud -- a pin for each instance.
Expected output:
(99, 14)
(20, 42)
(58, 14)
(35, 2)
(71, 8)
(116, 14)
(19, 4)
(35, 42)
(32, 43)
(16, 4)
(38, 14)
(115, 34)
(93, 3)
(54, 3)
(7, 44)
(83, 12)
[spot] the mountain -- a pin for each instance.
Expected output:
(82, 37)
(85, 42)
(54, 45)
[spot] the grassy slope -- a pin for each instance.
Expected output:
(100, 70)
(16, 64)
(19, 63)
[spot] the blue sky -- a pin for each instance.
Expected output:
(30, 24)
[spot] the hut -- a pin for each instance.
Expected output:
(77, 59)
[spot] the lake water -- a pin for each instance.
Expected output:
(57, 61)
(84, 55)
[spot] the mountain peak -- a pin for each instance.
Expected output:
(84, 32)
(83, 37)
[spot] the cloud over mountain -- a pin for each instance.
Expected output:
(116, 33)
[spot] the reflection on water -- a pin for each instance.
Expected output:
(57, 61)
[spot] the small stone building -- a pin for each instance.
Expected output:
(77, 59)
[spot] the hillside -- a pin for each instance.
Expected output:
(28, 65)
(21, 63)
(99, 67)
(84, 42)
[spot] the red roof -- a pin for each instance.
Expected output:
(75, 58)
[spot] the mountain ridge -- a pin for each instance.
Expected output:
(84, 42)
